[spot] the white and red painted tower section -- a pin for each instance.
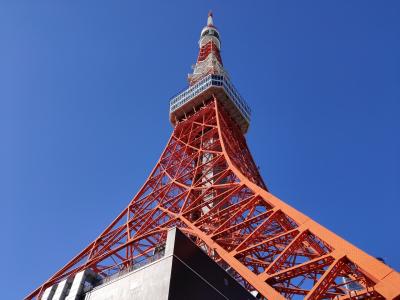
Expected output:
(209, 59)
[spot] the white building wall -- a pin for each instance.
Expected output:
(150, 282)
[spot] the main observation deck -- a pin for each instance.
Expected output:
(223, 90)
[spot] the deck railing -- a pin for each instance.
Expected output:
(206, 83)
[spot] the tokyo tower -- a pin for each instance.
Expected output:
(207, 185)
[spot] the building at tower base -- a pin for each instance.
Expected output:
(180, 270)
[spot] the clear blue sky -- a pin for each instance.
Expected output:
(84, 91)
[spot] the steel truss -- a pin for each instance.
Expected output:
(207, 184)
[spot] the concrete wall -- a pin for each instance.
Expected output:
(150, 282)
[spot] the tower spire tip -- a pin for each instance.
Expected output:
(210, 18)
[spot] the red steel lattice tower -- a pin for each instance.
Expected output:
(207, 184)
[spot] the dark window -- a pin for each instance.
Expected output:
(210, 32)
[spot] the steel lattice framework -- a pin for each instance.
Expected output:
(207, 184)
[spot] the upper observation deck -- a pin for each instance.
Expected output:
(211, 85)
